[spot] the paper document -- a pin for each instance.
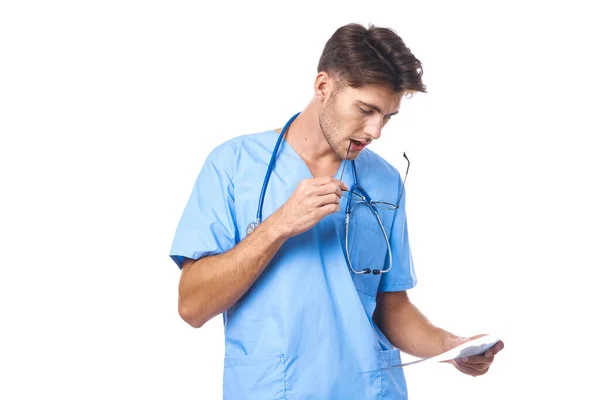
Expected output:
(471, 348)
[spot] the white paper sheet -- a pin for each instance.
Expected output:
(467, 349)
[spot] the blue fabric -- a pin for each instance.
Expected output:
(304, 330)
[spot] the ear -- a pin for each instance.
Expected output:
(324, 86)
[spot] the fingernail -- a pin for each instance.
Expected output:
(465, 359)
(488, 354)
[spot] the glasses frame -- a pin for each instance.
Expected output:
(363, 198)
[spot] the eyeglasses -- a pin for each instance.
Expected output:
(356, 197)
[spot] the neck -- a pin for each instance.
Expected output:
(306, 138)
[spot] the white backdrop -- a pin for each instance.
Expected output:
(108, 109)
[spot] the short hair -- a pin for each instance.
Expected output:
(360, 56)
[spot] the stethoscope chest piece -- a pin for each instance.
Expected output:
(251, 227)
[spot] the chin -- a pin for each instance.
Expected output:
(351, 156)
(344, 153)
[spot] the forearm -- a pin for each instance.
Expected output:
(409, 330)
(213, 284)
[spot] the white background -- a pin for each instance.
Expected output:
(108, 109)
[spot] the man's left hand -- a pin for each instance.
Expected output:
(479, 364)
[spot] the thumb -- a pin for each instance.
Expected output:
(341, 184)
(478, 336)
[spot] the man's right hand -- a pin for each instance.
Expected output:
(312, 200)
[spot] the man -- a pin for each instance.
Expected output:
(312, 286)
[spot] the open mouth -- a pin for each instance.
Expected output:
(357, 145)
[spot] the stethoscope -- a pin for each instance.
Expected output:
(252, 225)
(354, 189)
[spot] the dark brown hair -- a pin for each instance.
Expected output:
(361, 56)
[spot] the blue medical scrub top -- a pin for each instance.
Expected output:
(304, 330)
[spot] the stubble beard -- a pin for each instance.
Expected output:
(330, 123)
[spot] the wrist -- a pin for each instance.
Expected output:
(276, 228)
(450, 340)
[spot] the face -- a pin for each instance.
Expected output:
(355, 117)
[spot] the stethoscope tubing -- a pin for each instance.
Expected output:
(271, 166)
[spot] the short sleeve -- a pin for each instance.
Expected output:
(207, 226)
(402, 275)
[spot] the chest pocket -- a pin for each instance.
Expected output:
(366, 248)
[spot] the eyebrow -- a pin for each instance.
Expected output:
(374, 107)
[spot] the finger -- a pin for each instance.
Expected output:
(323, 180)
(478, 336)
(341, 184)
(481, 359)
(477, 366)
(471, 371)
(497, 347)
(494, 350)
(331, 198)
(328, 209)
(328, 188)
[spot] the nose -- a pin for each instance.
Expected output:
(373, 128)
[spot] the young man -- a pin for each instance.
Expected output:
(311, 272)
